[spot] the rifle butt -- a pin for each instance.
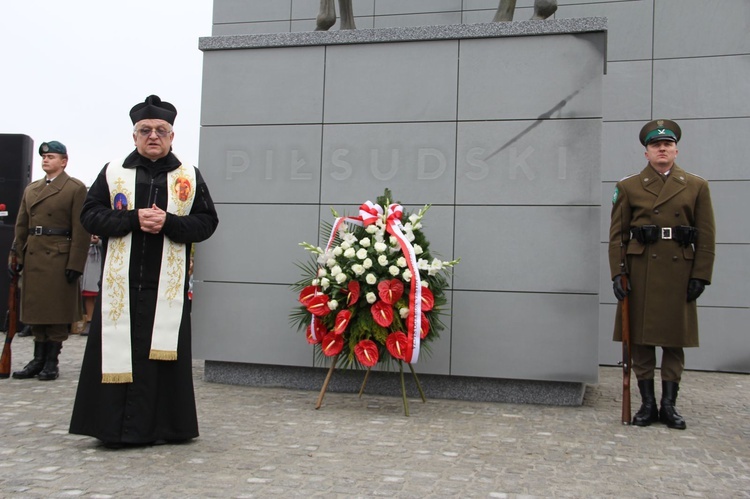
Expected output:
(626, 359)
(5, 359)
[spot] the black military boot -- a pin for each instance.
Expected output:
(25, 331)
(648, 413)
(668, 413)
(50, 370)
(35, 366)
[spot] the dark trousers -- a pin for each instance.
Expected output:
(50, 332)
(644, 362)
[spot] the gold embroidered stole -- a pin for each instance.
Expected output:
(116, 348)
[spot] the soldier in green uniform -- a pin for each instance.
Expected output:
(665, 219)
(51, 247)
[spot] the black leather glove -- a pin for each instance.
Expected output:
(695, 289)
(620, 293)
(12, 272)
(72, 275)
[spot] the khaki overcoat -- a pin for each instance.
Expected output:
(659, 272)
(46, 295)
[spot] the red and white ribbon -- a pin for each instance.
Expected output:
(414, 321)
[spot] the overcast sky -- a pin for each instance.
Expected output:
(70, 70)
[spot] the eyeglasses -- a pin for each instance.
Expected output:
(146, 132)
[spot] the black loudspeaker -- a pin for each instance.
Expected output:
(16, 156)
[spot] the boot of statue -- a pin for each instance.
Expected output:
(648, 413)
(668, 413)
(52, 353)
(35, 366)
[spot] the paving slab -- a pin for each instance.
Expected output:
(269, 442)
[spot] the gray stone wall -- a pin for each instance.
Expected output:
(687, 60)
(459, 116)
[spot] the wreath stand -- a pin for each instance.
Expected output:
(364, 382)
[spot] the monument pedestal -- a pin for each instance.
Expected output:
(497, 125)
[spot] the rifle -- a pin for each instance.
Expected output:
(625, 319)
(12, 320)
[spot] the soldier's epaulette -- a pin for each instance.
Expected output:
(633, 175)
(694, 175)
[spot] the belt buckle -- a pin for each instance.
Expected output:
(38, 230)
(666, 232)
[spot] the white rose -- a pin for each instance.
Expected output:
(341, 278)
(371, 298)
(401, 262)
(324, 283)
(361, 253)
(383, 260)
(418, 249)
(333, 304)
(371, 279)
(337, 251)
(371, 229)
(410, 236)
(403, 312)
(345, 245)
(413, 218)
(365, 242)
(322, 272)
(336, 270)
(315, 282)
(393, 241)
(423, 264)
(406, 275)
(330, 263)
(350, 253)
(393, 270)
(380, 247)
(367, 263)
(358, 269)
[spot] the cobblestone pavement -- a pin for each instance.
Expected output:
(267, 442)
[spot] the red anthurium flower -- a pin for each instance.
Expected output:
(352, 293)
(424, 327)
(320, 331)
(428, 300)
(332, 344)
(318, 305)
(366, 352)
(382, 313)
(307, 294)
(396, 344)
(390, 291)
(342, 320)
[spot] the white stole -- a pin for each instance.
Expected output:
(117, 363)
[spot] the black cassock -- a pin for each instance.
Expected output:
(159, 404)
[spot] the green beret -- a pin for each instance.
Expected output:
(153, 108)
(52, 146)
(660, 130)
